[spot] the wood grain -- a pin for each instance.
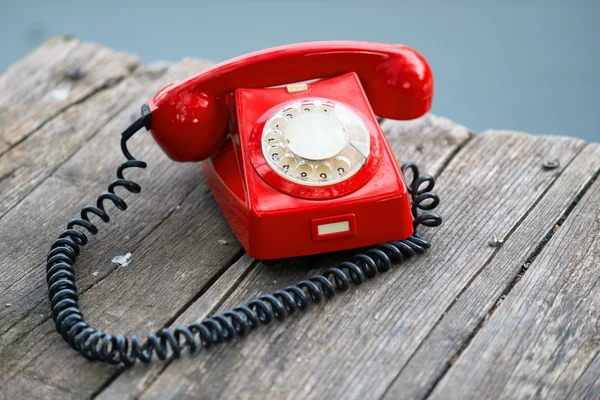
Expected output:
(131, 381)
(62, 72)
(76, 183)
(354, 345)
(440, 322)
(543, 341)
(431, 141)
(24, 240)
(452, 333)
(142, 297)
(31, 161)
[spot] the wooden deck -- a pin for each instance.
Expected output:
(468, 320)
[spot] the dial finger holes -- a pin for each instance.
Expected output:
(287, 164)
(273, 138)
(314, 142)
(290, 112)
(323, 172)
(341, 165)
(278, 124)
(326, 107)
(304, 171)
(276, 152)
(309, 106)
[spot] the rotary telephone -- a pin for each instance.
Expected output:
(296, 160)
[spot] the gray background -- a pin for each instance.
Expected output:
(528, 65)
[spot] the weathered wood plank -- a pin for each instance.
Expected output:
(138, 298)
(153, 291)
(588, 383)
(26, 232)
(452, 332)
(60, 73)
(30, 162)
(439, 137)
(542, 342)
(358, 342)
(431, 140)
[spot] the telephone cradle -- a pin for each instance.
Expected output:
(293, 152)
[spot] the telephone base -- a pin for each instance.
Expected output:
(317, 226)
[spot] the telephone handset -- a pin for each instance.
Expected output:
(298, 164)
(302, 168)
(190, 116)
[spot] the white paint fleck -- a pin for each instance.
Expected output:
(60, 94)
(95, 273)
(495, 242)
(222, 242)
(122, 261)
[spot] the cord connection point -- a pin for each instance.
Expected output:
(147, 116)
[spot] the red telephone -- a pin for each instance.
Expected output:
(297, 167)
(291, 146)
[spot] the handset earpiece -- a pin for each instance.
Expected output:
(188, 124)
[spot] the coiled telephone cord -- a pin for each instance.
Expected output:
(96, 345)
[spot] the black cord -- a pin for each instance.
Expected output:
(99, 346)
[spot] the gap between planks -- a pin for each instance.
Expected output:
(68, 158)
(530, 259)
(14, 197)
(544, 336)
(580, 173)
(493, 255)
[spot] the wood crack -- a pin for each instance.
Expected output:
(27, 314)
(7, 174)
(454, 153)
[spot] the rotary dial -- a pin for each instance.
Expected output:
(315, 142)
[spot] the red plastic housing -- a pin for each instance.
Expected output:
(270, 224)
